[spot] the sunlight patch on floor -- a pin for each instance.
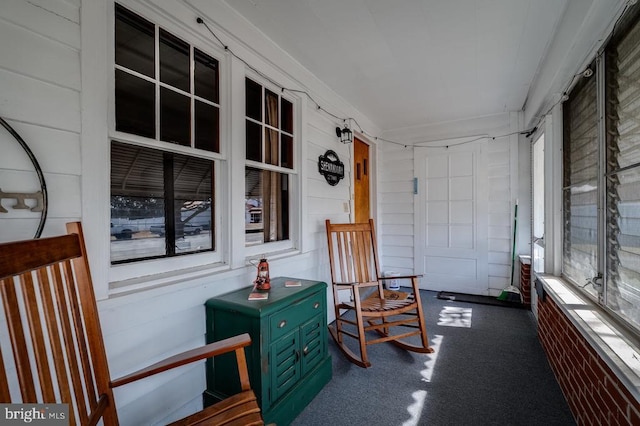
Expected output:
(420, 396)
(452, 316)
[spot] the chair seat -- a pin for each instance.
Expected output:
(375, 304)
(238, 410)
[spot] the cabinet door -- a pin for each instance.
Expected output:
(313, 344)
(285, 363)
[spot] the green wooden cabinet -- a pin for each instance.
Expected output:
(288, 358)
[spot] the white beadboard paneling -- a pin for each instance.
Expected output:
(500, 258)
(499, 171)
(324, 206)
(399, 240)
(396, 229)
(65, 9)
(498, 158)
(500, 206)
(499, 184)
(396, 186)
(321, 189)
(32, 101)
(39, 57)
(499, 231)
(395, 208)
(395, 262)
(15, 229)
(396, 197)
(398, 218)
(497, 245)
(57, 151)
(46, 21)
(64, 196)
(397, 251)
(500, 219)
(158, 400)
(499, 270)
(397, 175)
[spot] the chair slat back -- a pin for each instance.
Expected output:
(56, 352)
(353, 253)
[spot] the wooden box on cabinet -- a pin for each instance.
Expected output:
(288, 358)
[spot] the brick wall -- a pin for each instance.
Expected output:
(594, 394)
(525, 280)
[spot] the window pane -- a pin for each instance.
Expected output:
(193, 195)
(205, 76)
(580, 234)
(287, 116)
(134, 39)
(206, 127)
(271, 108)
(175, 118)
(267, 206)
(135, 105)
(137, 202)
(580, 195)
(271, 146)
(253, 101)
(623, 177)
(254, 141)
(174, 61)
(286, 151)
(623, 262)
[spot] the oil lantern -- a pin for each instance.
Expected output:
(262, 280)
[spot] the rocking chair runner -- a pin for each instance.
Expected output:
(353, 256)
(52, 321)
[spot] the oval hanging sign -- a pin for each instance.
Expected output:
(330, 166)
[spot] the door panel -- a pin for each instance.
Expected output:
(361, 170)
(451, 219)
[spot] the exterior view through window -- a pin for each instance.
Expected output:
(166, 95)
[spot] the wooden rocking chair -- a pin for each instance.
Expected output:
(353, 256)
(53, 325)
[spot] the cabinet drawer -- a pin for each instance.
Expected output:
(282, 322)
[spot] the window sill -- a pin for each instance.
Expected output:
(614, 345)
(147, 282)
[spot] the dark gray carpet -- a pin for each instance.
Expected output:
(491, 373)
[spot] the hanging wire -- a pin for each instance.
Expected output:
(36, 165)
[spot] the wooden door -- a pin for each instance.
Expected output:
(361, 170)
(451, 241)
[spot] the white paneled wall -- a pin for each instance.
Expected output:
(398, 209)
(396, 199)
(40, 99)
(500, 232)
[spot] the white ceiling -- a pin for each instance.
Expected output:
(406, 63)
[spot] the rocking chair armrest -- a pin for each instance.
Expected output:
(356, 284)
(196, 354)
(399, 277)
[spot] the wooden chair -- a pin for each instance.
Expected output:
(355, 269)
(52, 321)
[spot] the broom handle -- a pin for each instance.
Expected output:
(513, 250)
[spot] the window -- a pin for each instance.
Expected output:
(161, 203)
(538, 204)
(269, 165)
(166, 97)
(602, 178)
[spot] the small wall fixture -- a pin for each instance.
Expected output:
(345, 135)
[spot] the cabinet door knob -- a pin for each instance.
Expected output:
(316, 305)
(305, 350)
(282, 323)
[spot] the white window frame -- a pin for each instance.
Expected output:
(216, 259)
(283, 247)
